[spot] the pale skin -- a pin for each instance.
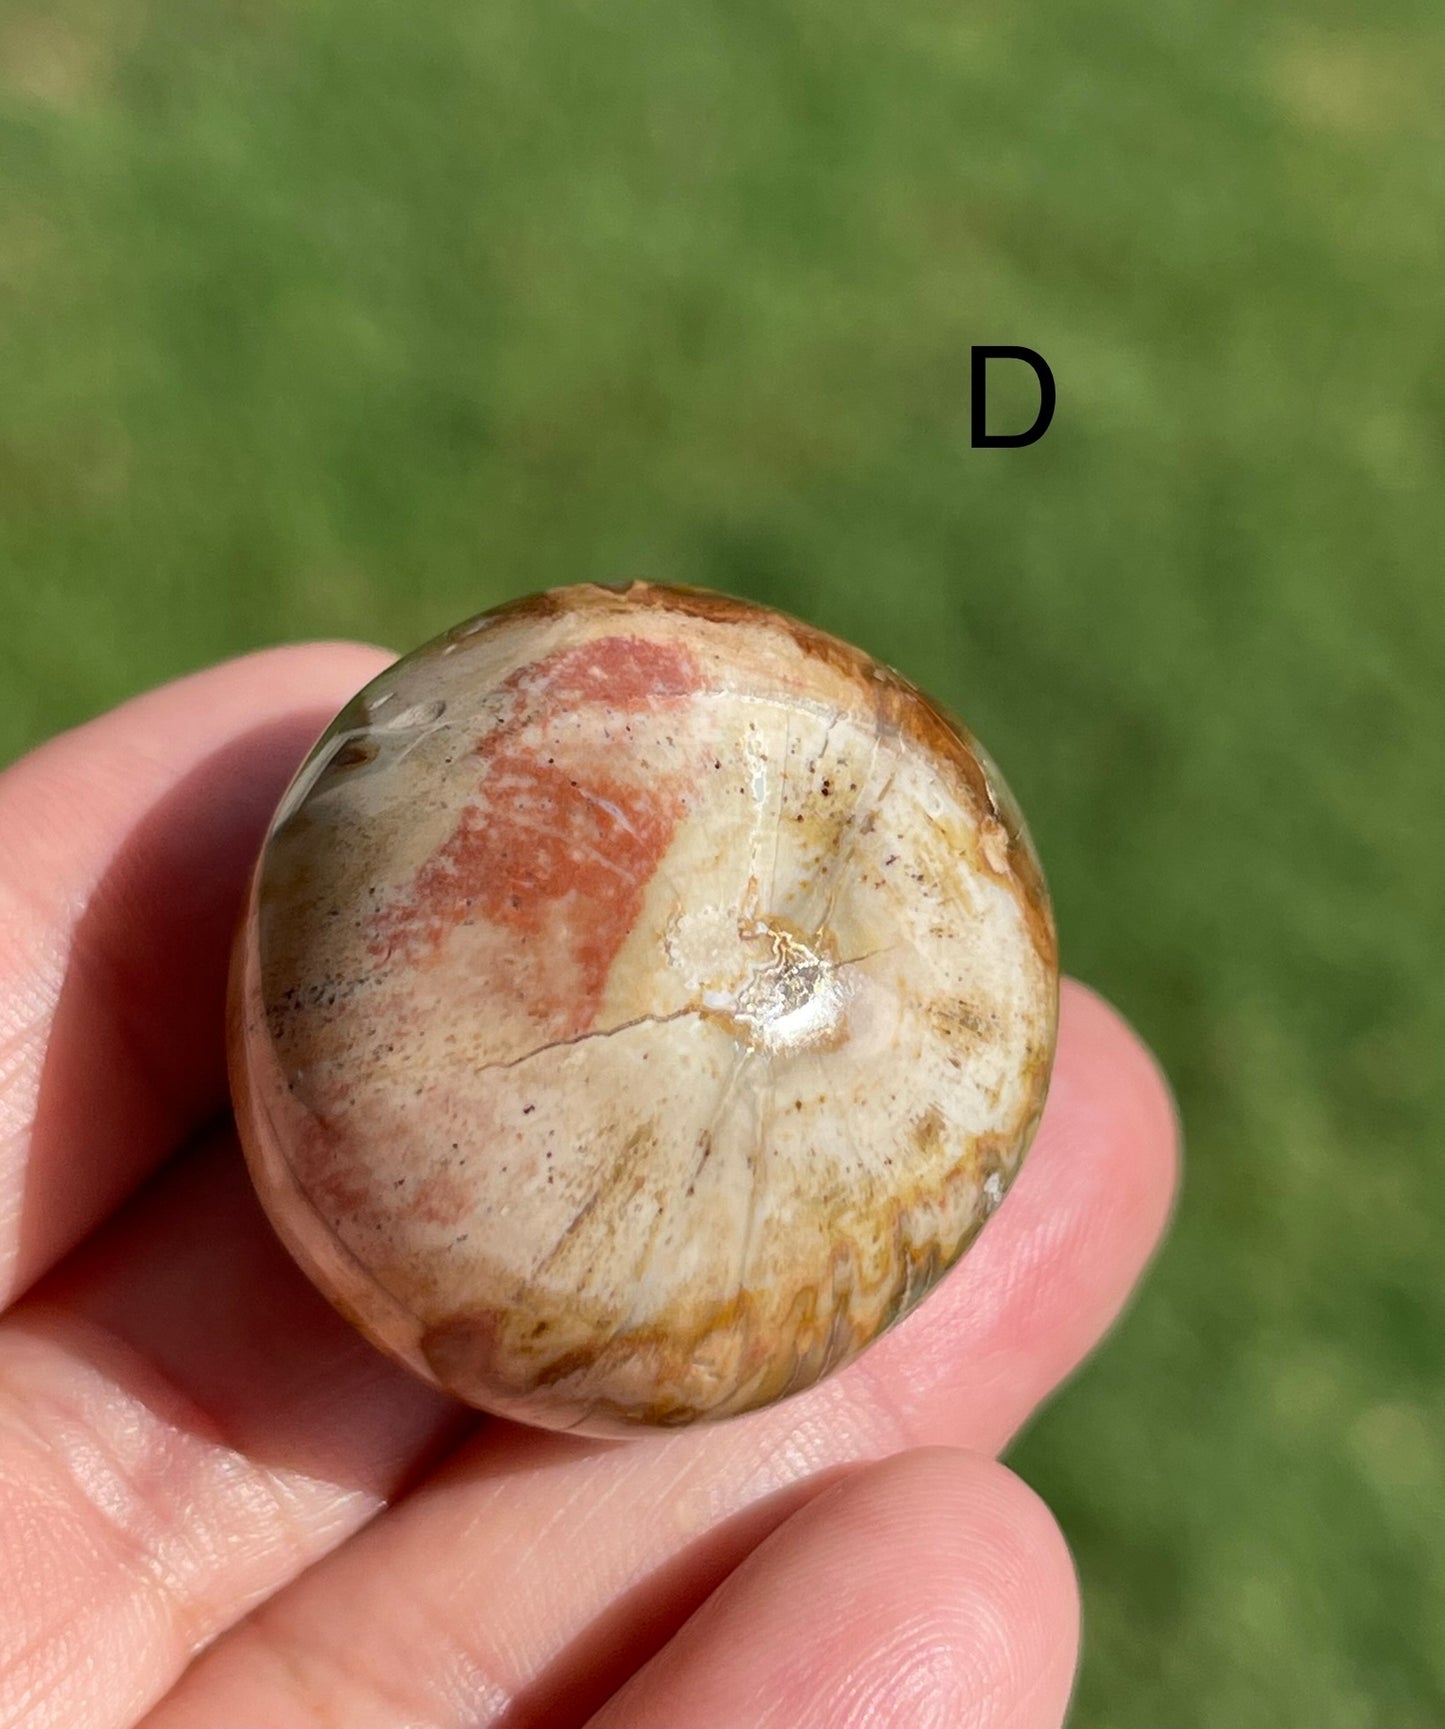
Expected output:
(219, 1507)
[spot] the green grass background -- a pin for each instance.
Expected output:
(356, 316)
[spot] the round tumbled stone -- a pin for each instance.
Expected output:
(642, 1000)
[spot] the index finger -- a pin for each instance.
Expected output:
(124, 848)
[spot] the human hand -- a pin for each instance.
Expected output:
(219, 1506)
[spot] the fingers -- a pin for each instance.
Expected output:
(528, 1579)
(184, 1425)
(124, 848)
(934, 1588)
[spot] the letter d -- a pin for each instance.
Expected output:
(978, 397)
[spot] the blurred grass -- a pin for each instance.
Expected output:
(325, 318)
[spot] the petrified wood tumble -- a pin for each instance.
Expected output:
(643, 1000)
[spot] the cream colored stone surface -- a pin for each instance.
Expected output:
(644, 999)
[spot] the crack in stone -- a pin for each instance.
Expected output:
(598, 1033)
(867, 955)
(847, 848)
(782, 808)
(757, 1154)
(587, 1038)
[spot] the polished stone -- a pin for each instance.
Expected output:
(643, 1000)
